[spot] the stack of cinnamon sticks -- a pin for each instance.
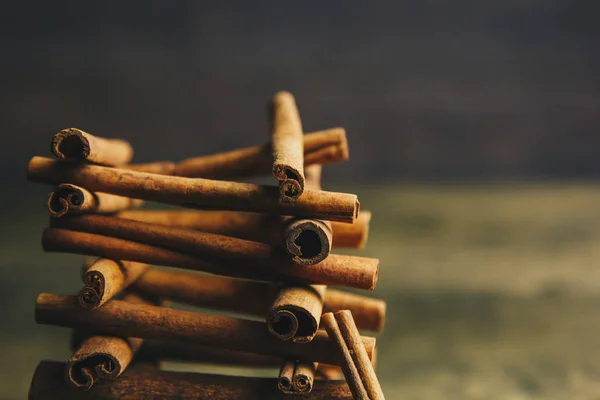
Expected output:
(260, 251)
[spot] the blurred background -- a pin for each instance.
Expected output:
(473, 131)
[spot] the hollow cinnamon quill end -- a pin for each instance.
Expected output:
(284, 380)
(304, 375)
(69, 198)
(71, 144)
(291, 181)
(89, 298)
(283, 324)
(80, 377)
(308, 241)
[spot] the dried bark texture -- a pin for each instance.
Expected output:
(322, 147)
(286, 374)
(249, 297)
(100, 357)
(158, 167)
(338, 270)
(329, 372)
(105, 278)
(296, 312)
(194, 193)
(71, 199)
(145, 321)
(250, 226)
(288, 147)
(357, 366)
(77, 145)
(296, 377)
(139, 383)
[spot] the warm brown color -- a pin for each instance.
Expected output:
(357, 366)
(296, 377)
(99, 357)
(295, 312)
(77, 145)
(145, 321)
(194, 193)
(67, 199)
(139, 383)
(329, 372)
(322, 147)
(158, 167)
(105, 278)
(288, 146)
(220, 255)
(249, 297)
(250, 226)
(286, 374)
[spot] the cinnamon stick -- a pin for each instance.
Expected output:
(322, 147)
(356, 366)
(140, 383)
(250, 226)
(146, 321)
(157, 167)
(195, 193)
(106, 278)
(288, 147)
(286, 374)
(219, 255)
(67, 199)
(77, 145)
(249, 297)
(296, 377)
(100, 357)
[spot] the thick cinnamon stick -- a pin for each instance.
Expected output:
(99, 357)
(322, 147)
(288, 147)
(357, 366)
(67, 199)
(157, 167)
(249, 297)
(206, 252)
(140, 383)
(145, 321)
(250, 226)
(194, 193)
(106, 278)
(77, 145)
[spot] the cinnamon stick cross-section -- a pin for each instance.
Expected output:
(72, 199)
(288, 147)
(77, 145)
(356, 366)
(105, 278)
(296, 377)
(194, 193)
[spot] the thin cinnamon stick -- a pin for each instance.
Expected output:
(100, 357)
(357, 366)
(322, 147)
(288, 147)
(286, 374)
(296, 377)
(67, 199)
(140, 383)
(194, 193)
(206, 252)
(77, 145)
(249, 297)
(106, 278)
(250, 226)
(146, 321)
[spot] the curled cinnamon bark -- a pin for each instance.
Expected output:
(106, 278)
(194, 193)
(322, 147)
(77, 145)
(71, 199)
(296, 377)
(288, 147)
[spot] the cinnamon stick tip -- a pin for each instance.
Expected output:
(283, 324)
(70, 143)
(89, 298)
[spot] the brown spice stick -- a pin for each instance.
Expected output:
(99, 357)
(328, 372)
(288, 147)
(77, 145)
(249, 261)
(286, 374)
(195, 193)
(249, 297)
(250, 226)
(105, 279)
(157, 167)
(140, 383)
(146, 321)
(357, 366)
(296, 377)
(322, 147)
(67, 199)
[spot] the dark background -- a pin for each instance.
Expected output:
(427, 90)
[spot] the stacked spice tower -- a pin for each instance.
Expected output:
(262, 251)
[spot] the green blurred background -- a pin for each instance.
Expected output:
(473, 130)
